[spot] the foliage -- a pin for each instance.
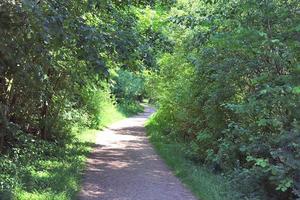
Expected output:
(56, 57)
(225, 76)
(42, 170)
(202, 182)
(128, 86)
(39, 169)
(55, 64)
(229, 90)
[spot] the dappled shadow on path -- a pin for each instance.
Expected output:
(124, 166)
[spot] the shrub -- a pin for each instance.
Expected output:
(230, 91)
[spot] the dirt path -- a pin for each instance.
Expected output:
(124, 166)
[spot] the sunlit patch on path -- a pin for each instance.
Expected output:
(124, 166)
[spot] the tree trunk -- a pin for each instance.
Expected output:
(44, 114)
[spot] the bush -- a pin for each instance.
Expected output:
(55, 60)
(230, 91)
(128, 86)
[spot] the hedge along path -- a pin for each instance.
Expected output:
(124, 166)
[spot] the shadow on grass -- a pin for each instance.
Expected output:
(45, 170)
(202, 182)
(56, 176)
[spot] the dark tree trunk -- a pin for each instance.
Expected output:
(44, 114)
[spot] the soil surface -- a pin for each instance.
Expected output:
(124, 166)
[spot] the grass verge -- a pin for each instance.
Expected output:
(41, 170)
(204, 184)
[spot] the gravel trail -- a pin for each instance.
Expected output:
(124, 166)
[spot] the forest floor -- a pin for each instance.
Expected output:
(124, 166)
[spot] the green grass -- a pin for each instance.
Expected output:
(110, 114)
(51, 171)
(129, 109)
(203, 183)
(57, 176)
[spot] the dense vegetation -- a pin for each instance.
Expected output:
(225, 76)
(230, 92)
(65, 66)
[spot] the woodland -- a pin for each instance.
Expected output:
(223, 75)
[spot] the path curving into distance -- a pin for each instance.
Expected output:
(124, 166)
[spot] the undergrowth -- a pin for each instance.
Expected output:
(202, 182)
(40, 170)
